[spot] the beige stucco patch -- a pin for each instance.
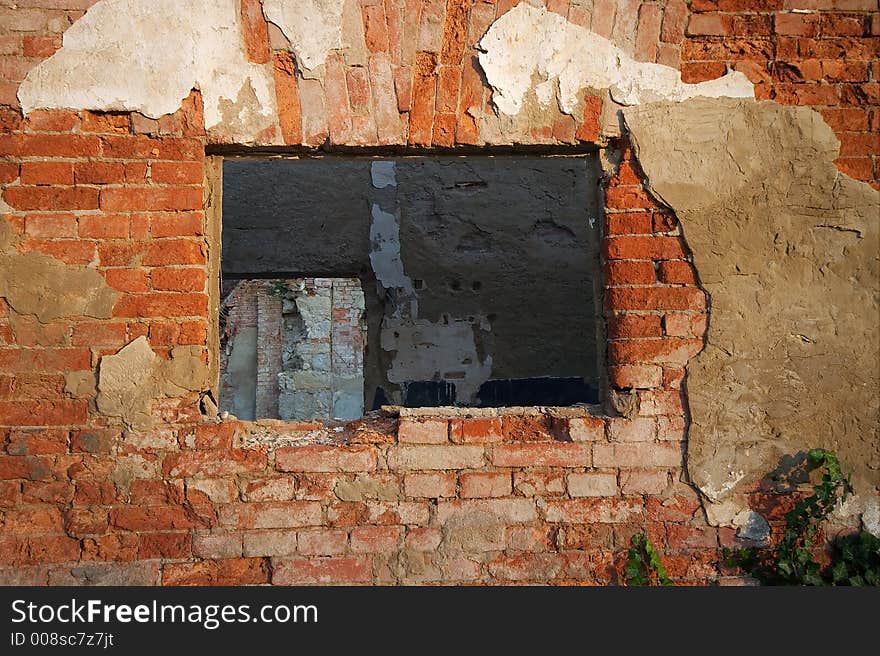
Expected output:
(787, 248)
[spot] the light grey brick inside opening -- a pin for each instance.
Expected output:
(480, 275)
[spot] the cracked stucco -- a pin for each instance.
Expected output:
(787, 249)
(530, 43)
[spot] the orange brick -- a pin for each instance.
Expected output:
(162, 304)
(99, 172)
(654, 298)
(177, 172)
(52, 198)
(256, 33)
(136, 199)
(128, 280)
(180, 280)
(174, 251)
(103, 226)
(47, 173)
(476, 430)
(98, 333)
(541, 455)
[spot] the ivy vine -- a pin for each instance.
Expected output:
(855, 559)
(643, 566)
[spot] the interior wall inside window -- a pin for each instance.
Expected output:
(478, 281)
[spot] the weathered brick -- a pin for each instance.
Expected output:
(153, 518)
(527, 566)
(322, 571)
(375, 539)
(168, 545)
(586, 429)
(476, 430)
(532, 483)
(214, 464)
(673, 509)
(514, 511)
(435, 457)
(270, 543)
(653, 351)
(232, 571)
(213, 490)
(636, 376)
(321, 542)
(52, 198)
(423, 539)
(637, 454)
(431, 431)
(326, 459)
(594, 510)
(433, 485)
(631, 430)
(485, 484)
(635, 481)
(528, 428)
(541, 455)
(592, 484)
(269, 489)
(47, 173)
(217, 545)
(271, 514)
(403, 512)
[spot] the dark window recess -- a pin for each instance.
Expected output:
(352, 283)
(536, 391)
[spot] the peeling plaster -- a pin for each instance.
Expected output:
(313, 27)
(530, 41)
(788, 250)
(385, 254)
(424, 350)
(40, 285)
(131, 379)
(420, 349)
(382, 174)
(147, 55)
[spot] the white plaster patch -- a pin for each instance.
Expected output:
(383, 174)
(313, 27)
(147, 55)
(716, 491)
(385, 253)
(425, 350)
(529, 41)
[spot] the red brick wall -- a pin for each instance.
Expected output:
(558, 498)
(823, 54)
